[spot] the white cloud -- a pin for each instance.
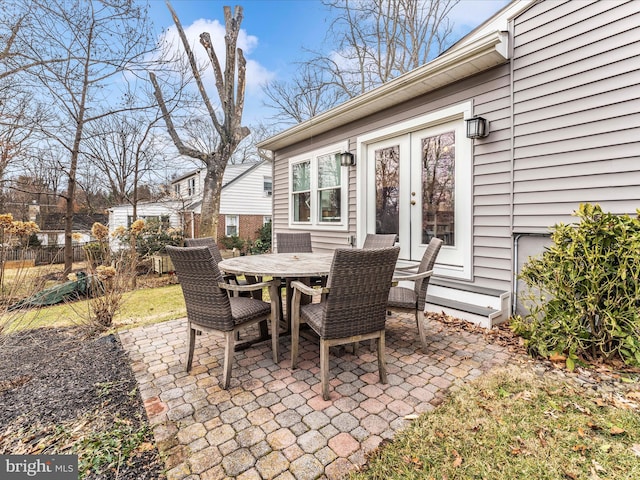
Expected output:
(256, 74)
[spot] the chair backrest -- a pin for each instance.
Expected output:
(297, 242)
(379, 240)
(359, 282)
(205, 242)
(207, 304)
(426, 264)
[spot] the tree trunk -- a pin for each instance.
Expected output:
(210, 209)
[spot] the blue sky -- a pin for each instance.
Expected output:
(275, 32)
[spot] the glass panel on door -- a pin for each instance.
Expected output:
(387, 183)
(438, 187)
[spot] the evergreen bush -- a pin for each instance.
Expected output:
(584, 290)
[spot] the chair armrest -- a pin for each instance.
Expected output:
(250, 287)
(405, 268)
(412, 277)
(307, 289)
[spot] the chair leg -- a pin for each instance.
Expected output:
(324, 368)
(295, 329)
(420, 323)
(382, 364)
(191, 340)
(229, 344)
(275, 330)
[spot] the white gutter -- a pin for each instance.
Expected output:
(460, 62)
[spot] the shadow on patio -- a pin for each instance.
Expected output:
(273, 422)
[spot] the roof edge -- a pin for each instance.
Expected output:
(381, 96)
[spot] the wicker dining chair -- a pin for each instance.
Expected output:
(293, 242)
(208, 242)
(211, 244)
(353, 307)
(379, 240)
(210, 309)
(413, 299)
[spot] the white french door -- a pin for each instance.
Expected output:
(418, 187)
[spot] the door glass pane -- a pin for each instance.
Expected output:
(387, 189)
(438, 182)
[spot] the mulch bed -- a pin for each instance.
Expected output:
(54, 380)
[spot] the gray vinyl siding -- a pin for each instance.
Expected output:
(576, 98)
(491, 244)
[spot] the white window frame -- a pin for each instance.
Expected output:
(191, 186)
(234, 221)
(265, 179)
(315, 223)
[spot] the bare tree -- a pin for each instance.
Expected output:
(93, 43)
(307, 94)
(122, 152)
(229, 128)
(18, 119)
(372, 42)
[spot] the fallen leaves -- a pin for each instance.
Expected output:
(457, 459)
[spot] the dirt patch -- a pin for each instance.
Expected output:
(57, 389)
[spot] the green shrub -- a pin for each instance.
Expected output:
(232, 242)
(584, 290)
(154, 237)
(263, 243)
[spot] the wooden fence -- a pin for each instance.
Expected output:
(43, 255)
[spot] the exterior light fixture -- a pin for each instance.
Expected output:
(347, 159)
(477, 127)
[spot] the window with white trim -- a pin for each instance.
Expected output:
(318, 190)
(231, 225)
(192, 186)
(267, 185)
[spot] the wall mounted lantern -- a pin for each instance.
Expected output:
(477, 127)
(347, 159)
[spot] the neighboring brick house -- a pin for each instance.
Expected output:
(245, 203)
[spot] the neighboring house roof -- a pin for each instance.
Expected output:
(231, 172)
(481, 49)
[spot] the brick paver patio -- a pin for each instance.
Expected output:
(272, 422)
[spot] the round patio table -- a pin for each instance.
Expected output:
(279, 265)
(289, 266)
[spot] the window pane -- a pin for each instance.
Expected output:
(329, 205)
(387, 188)
(328, 171)
(302, 207)
(301, 176)
(438, 187)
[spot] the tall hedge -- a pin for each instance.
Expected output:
(584, 290)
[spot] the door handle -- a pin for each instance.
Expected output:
(413, 202)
